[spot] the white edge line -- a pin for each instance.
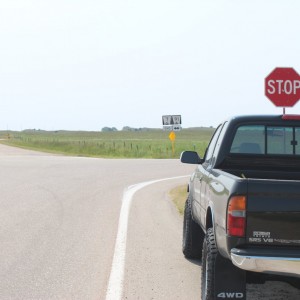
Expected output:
(116, 279)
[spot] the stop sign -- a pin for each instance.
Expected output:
(282, 87)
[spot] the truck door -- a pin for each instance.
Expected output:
(202, 177)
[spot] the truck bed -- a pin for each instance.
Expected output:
(273, 207)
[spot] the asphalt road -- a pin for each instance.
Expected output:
(60, 223)
(59, 220)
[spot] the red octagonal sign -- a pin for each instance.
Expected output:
(282, 87)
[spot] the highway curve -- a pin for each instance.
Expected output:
(59, 219)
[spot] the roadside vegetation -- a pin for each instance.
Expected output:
(147, 143)
(178, 195)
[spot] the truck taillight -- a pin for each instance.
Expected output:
(236, 216)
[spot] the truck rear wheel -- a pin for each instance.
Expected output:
(193, 235)
(208, 266)
(220, 279)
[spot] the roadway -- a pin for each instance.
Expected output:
(87, 228)
(59, 220)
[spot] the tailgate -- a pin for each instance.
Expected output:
(273, 212)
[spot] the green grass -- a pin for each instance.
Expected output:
(153, 143)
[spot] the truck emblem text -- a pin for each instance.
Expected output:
(230, 295)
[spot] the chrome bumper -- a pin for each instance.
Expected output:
(271, 264)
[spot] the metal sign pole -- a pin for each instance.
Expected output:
(173, 148)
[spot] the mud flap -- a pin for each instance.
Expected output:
(230, 281)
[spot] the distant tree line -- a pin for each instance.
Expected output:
(125, 128)
(109, 129)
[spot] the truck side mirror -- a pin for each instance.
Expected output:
(190, 157)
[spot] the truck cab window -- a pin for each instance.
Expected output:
(261, 139)
(280, 140)
(212, 144)
(249, 139)
(297, 141)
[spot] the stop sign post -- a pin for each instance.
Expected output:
(282, 87)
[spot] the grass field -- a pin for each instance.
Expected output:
(152, 143)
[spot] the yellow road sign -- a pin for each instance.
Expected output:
(172, 136)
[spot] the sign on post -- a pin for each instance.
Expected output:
(172, 123)
(171, 119)
(282, 87)
(172, 136)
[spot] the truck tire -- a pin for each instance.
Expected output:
(193, 235)
(208, 266)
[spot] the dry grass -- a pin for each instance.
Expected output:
(178, 196)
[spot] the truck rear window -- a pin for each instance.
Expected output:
(262, 139)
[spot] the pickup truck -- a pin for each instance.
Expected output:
(242, 214)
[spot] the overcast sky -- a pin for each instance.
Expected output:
(74, 64)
